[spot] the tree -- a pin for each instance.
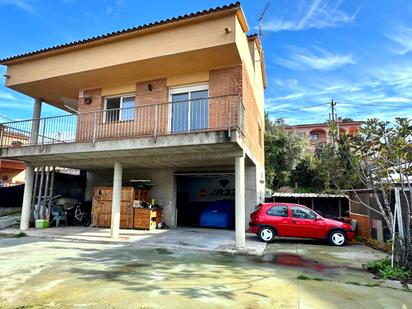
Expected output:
(381, 157)
(283, 149)
(306, 172)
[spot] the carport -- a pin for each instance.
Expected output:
(329, 205)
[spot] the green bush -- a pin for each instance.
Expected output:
(382, 269)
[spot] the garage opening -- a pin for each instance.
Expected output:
(206, 200)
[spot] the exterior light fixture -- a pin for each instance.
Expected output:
(87, 100)
(149, 87)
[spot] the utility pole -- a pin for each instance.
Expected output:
(334, 118)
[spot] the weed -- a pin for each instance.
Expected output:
(383, 269)
(303, 277)
(20, 234)
(358, 238)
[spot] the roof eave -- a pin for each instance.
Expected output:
(123, 34)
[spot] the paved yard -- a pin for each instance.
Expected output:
(51, 273)
(193, 239)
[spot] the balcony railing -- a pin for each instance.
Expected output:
(196, 115)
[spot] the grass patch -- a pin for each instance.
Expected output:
(383, 269)
(370, 285)
(20, 234)
(375, 244)
(303, 277)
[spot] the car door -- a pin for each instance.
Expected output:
(278, 217)
(305, 223)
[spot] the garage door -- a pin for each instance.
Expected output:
(206, 199)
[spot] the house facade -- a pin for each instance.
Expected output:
(318, 133)
(177, 101)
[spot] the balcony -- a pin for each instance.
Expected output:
(223, 113)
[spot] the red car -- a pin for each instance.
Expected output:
(293, 220)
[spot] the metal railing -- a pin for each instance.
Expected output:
(196, 115)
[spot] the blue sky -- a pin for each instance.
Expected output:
(356, 52)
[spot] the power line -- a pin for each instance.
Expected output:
(375, 105)
(7, 118)
(298, 108)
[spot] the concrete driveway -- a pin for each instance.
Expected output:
(193, 239)
(41, 273)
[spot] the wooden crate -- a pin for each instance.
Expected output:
(363, 227)
(102, 207)
(143, 218)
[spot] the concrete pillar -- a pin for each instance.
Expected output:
(26, 207)
(240, 202)
(36, 121)
(116, 199)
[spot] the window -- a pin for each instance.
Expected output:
(119, 108)
(189, 108)
(302, 213)
(314, 137)
(278, 211)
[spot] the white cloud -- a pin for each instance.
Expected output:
(401, 36)
(384, 92)
(21, 4)
(396, 100)
(287, 97)
(7, 96)
(322, 60)
(312, 14)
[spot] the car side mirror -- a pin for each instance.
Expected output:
(318, 218)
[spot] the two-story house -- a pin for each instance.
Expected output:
(318, 133)
(182, 97)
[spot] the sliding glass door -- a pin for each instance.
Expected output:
(189, 108)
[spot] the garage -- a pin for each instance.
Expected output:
(206, 199)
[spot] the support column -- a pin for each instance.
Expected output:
(116, 199)
(240, 202)
(27, 196)
(36, 121)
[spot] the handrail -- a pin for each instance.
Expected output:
(102, 110)
(224, 112)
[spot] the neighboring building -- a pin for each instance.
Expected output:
(318, 133)
(177, 98)
(11, 171)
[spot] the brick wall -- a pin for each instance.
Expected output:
(223, 111)
(86, 121)
(253, 122)
(146, 115)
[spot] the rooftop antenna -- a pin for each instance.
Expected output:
(260, 20)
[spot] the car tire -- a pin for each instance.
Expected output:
(337, 238)
(267, 234)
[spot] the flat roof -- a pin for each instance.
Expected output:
(311, 195)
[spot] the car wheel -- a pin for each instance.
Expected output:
(337, 238)
(267, 234)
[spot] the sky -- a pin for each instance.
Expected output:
(355, 52)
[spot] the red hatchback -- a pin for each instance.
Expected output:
(293, 220)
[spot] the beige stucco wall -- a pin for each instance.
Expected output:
(180, 39)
